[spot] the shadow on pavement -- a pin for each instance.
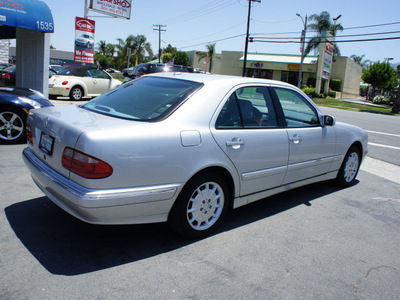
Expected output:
(66, 246)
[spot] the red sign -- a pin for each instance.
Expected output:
(84, 40)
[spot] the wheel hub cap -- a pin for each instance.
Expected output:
(205, 206)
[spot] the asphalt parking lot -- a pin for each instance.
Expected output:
(316, 242)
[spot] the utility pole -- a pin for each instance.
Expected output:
(247, 36)
(86, 11)
(158, 28)
(303, 39)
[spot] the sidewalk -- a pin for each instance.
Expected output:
(362, 101)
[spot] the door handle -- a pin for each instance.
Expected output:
(235, 143)
(295, 139)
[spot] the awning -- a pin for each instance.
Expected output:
(28, 14)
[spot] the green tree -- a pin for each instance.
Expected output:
(102, 47)
(170, 49)
(142, 47)
(166, 57)
(359, 60)
(322, 23)
(380, 75)
(211, 56)
(181, 58)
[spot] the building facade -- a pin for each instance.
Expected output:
(282, 67)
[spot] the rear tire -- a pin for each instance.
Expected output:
(348, 171)
(201, 206)
(12, 125)
(76, 93)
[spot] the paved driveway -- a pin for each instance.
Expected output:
(316, 242)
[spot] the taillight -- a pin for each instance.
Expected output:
(29, 137)
(65, 82)
(6, 76)
(85, 165)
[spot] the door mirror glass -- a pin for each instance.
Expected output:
(329, 120)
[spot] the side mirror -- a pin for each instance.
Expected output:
(125, 74)
(328, 120)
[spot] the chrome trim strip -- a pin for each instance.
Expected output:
(263, 173)
(90, 194)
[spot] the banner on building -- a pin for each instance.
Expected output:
(115, 8)
(84, 40)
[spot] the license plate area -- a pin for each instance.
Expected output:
(46, 143)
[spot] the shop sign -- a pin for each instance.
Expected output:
(257, 64)
(84, 40)
(329, 47)
(327, 65)
(293, 67)
(116, 8)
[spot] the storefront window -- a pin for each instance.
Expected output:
(259, 73)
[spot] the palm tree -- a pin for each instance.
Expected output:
(322, 24)
(141, 47)
(211, 55)
(359, 60)
(102, 47)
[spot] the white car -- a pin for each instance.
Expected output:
(84, 41)
(77, 82)
(185, 148)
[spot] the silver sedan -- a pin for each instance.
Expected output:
(186, 148)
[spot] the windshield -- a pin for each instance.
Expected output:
(144, 99)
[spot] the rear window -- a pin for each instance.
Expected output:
(144, 99)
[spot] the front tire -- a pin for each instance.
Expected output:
(201, 206)
(12, 125)
(76, 93)
(348, 171)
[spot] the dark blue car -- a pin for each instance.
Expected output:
(15, 103)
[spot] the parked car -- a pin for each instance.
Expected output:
(185, 148)
(150, 68)
(8, 75)
(195, 70)
(56, 68)
(77, 82)
(4, 65)
(84, 41)
(15, 103)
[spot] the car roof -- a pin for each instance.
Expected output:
(208, 78)
(77, 70)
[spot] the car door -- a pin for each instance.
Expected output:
(247, 130)
(311, 145)
(101, 81)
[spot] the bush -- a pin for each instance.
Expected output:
(311, 81)
(335, 85)
(332, 94)
(379, 100)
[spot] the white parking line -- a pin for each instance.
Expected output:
(381, 169)
(383, 133)
(383, 146)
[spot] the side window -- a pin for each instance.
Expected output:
(298, 112)
(248, 107)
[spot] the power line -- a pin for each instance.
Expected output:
(337, 36)
(252, 40)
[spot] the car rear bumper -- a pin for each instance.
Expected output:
(109, 206)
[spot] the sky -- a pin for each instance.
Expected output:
(191, 25)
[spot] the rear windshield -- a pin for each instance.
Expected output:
(144, 99)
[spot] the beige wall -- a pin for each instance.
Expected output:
(230, 64)
(350, 73)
